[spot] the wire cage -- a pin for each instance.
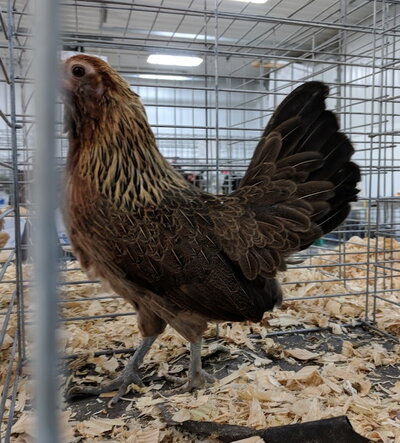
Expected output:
(207, 121)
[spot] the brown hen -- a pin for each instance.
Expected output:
(181, 256)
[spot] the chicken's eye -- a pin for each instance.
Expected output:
(78, 71)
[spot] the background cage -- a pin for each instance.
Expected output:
(207, 121)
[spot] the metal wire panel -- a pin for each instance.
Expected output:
(208, 122)
(12, 317)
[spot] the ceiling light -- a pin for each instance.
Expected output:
(168, 34)
(174, 60)
(186, 35)
(163, 77)
(252, 1)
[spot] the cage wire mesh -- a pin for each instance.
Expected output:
(207, 121)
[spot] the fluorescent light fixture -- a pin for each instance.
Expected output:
(163, 77)
(184, 35)
(168, 34)
(252, 1)
(174, 60)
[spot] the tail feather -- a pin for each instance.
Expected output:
(334, 218)
(306, 101)
(336, 152)
(319, 133)
(309, 150)
(345, 182)
(302, 162)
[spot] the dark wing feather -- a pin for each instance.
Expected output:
(183, 258)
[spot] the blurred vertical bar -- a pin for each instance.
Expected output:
(45, 202)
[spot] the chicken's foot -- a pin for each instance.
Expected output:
(198, 377)
(121, 383)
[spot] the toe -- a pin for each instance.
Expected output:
(175, 380)
(114, 400)
(80, 392)
(200, 380)
(73, 393)
(209, 378)
(135, 379)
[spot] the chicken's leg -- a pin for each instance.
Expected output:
(198, 377)
(130, 375)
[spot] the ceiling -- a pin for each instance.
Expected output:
(127, 31)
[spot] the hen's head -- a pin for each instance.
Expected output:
(90, 86)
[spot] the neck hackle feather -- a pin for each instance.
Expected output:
(114, 146)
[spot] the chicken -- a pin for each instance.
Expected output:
(181, 256)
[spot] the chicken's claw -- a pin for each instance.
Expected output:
(129, 376)
(127, 379)
(195, 381)
(121, 384)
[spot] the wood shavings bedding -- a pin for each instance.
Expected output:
(259, 392)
